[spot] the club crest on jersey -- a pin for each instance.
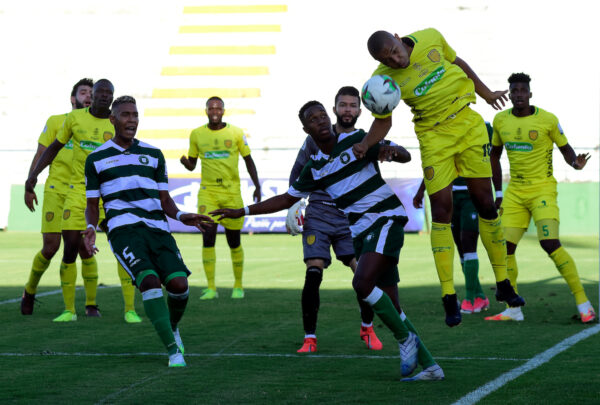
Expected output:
(533, 134)
(434, 56)
(107, 136)
(344, 157)
(66, 214)
(429, 172)
(49, 216)
(144, 159)
(202, 209)
(228, 143)
(310, 239)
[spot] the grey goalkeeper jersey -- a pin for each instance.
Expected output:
(355, 185)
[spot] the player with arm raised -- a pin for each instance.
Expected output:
(439, 86)
(218, 145)
(529, 133)
(376, 217)
(55, 191)
(326, 227)
(131, 178)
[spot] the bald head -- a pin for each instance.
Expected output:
(377, 41)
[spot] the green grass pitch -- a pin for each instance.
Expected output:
(244, 351)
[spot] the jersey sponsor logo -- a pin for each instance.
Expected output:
(69, 145)
(107, 136)
(89, 145)
(228, 143)
(434, 56)
(533, 135)
(144, 159)
(217, 154)
(519, 146)
(435, 76)
(310, 239)
(66, 214)
(429, 172)
(49, 216)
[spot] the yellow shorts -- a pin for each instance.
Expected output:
(212, 198)
(458, 146)
(521, 202)
(73, 218)
(52, 209)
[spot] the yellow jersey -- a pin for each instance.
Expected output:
(432, 86)
(87, 133)
(219, 152)
(529, 143)
(60, 169)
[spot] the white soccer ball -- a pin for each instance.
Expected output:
(381, 94)
(294, 222)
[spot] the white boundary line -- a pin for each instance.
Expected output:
(265, 355)
(533, 363)
(52, 292)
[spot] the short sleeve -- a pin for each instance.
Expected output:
(66, 132)
(193, 151)
(92, 183)
(161, 176)
(556, 133)
(242, 144)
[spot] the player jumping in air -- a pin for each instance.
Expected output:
(439, 86)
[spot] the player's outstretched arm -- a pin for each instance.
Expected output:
(91, 218)
(379, 129)
(46, 158)
(496, 99)
(191, 219)
(495, 154)
(251, 167)
(273, 204)
(577, 162)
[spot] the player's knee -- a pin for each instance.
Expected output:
(233, 238)
(177, 285)
(550, 245)
(149, 282)
(314, 276)
(49, 249)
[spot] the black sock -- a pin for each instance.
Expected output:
(310, 299)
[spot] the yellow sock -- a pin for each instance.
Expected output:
(237, 260)
(492, 237)
(68, 278)
(442, 246)
(89, 272)
(566, 267)
(38, 267)
(512, 270)
(127, 288)
(209, 259)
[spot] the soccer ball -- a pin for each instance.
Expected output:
(294, 221)
(380, 94)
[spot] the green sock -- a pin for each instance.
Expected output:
(157, 311)
(177, 304)
(425, 358)
(384, 308)
(38, 267)
(471, 271)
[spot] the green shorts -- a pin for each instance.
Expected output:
(143, 251)
(385, 237)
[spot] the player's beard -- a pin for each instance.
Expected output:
(346, 124)
(78, 105)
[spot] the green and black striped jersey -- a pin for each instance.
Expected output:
(128, 181)
(355, 185)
